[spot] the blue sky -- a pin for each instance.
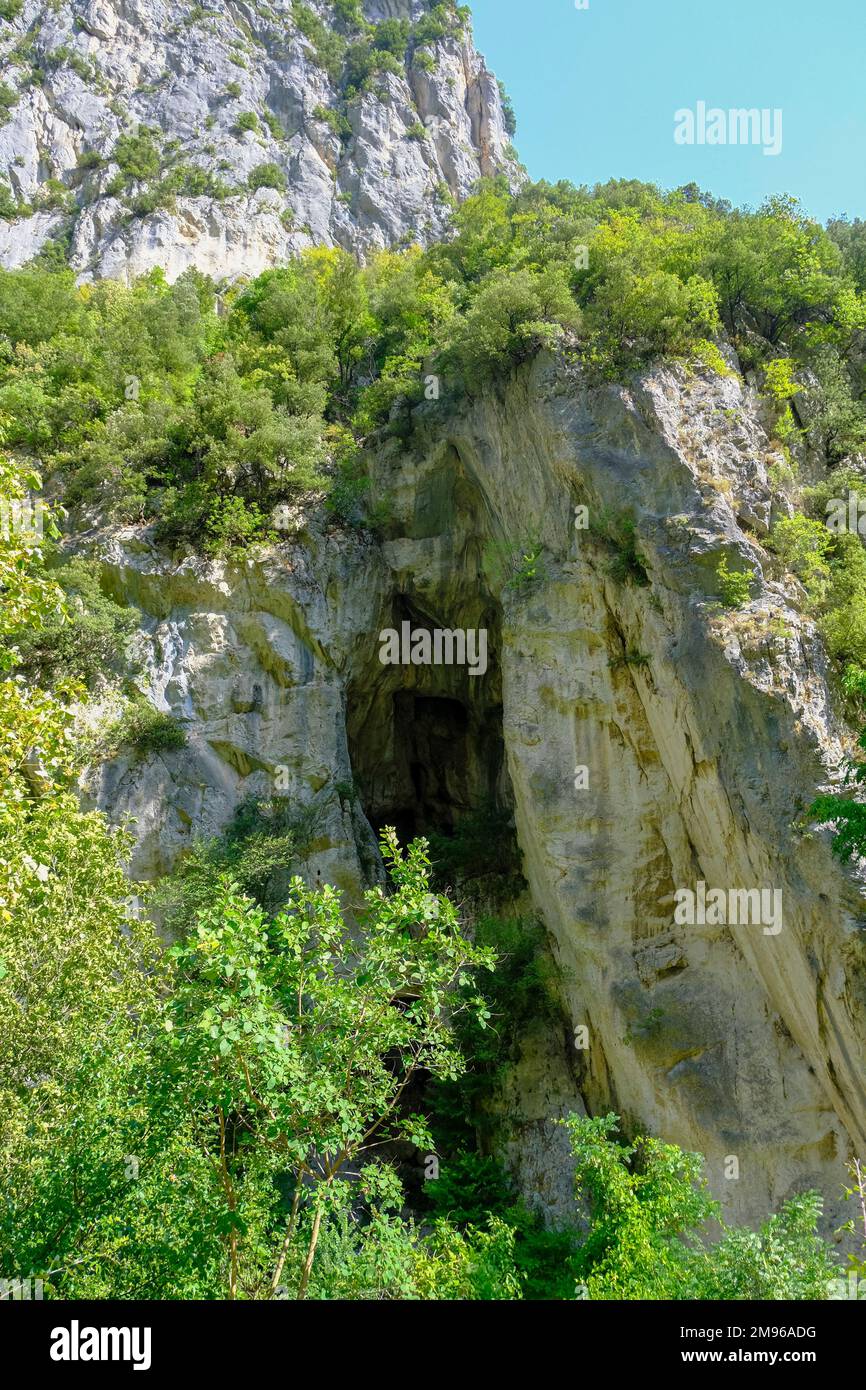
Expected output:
(595, 91)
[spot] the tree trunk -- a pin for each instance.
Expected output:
(311, 1254)
(296, 1201)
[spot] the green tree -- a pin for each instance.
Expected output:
(343, 295)
(837, 418)
(775, 265)
(36, 304)
(850, 237)
(85, 641)
(513, 314)
(74, 961)
(291, 1044)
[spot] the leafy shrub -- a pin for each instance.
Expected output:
(338, 122)
(735, 586)
(67, 57)
(440, 22)
(628, 565)
(138, 155)
(8, 99)
(9, 207)
(469, 1187)
(477, 1265)
(267, 175)
(803, 546)
(778, 379)
(709, 355)
(328, 45)
(350, 13)
(649, 1205)
(53, 196)
(274, 125)
(391, 36)
(142, 729)
(87, 643)
(363, 62)
(508, 111)
(263, 844)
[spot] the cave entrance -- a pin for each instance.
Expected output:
(426, 743)
(444, 760)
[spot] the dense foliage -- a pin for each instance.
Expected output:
(152, 405)
(650, 1208)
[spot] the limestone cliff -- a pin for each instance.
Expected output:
(223, 92)
(704, 733)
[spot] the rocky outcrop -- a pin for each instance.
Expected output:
(227, 88)
(703, 732)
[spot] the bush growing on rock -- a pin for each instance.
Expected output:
(615, 275)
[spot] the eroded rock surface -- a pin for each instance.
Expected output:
(704, 731)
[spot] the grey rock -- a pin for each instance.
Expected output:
(168, 67)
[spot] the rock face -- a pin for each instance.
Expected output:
(703, 731)
(227, 88)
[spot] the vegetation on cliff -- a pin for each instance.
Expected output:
(143, 394)
(151, 406)
(208, 1122)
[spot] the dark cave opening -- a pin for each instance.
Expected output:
(426, 743)
(446, 761)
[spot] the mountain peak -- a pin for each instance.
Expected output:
(229, 136)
